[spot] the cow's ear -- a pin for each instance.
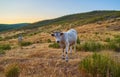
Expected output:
(61, 34)
(52, 34)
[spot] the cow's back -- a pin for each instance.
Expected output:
(72, 35)
(72, 31)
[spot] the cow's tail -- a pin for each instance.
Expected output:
(75, 46)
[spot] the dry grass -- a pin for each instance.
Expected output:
(45, 62)
(38, 60)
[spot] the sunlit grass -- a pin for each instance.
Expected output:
(101, 65)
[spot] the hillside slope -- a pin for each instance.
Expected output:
(68, 21)
(95, 21)
(77, 19)
(38, 59)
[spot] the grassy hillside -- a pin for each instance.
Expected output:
(95, 21)
(77, 19)
(97, 55)
(66, 21)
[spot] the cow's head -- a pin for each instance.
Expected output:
(57, 36)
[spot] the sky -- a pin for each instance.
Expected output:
(29, 11)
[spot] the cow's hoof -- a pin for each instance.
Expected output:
(66, 60)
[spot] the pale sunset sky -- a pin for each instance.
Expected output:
(29, 11)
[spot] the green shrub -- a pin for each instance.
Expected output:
(107, 40)
(78, 40)
(12, 70)
(117, 40)
(114, 44)
(25, 43)
(96, 33)
(8, 37)
(78, 47)
(54, 45)
(5, 47)
(2, 51)
(1, 38)
(35, 33)
(100, 65)
(90, 46)
(49, 41)
(117, 36)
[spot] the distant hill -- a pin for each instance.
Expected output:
(6, 27)
(66, 21)
(77, 19)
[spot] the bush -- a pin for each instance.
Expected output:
(2, 51)
(5, 47)
(12, 70)
(100, 65)
(117, 40)
(78, 47)
(78, 40)
(107, 40)
(1, 38)
(90, 46)
(54, 45)
(25, 43)
(49, 41)
(117, 36)
(96, 33)
(114, 44)
(8, 37)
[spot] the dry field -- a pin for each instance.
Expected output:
(38, 60)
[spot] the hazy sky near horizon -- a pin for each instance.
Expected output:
(20, 11)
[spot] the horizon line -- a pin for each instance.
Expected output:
(40, 20)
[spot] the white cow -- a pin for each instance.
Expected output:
(20, 38)
(66, 40)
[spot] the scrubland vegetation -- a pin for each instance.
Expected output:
(12, 70)
(4, 47)
(40, 56)
(25, 43)
(54, 45)
(99, 65)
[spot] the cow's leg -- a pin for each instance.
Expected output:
(67, 48)
(70, 49)
(75, 46)
(63, 56)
